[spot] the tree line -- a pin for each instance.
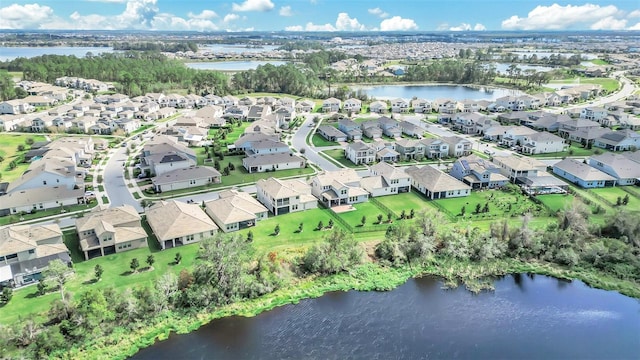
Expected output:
(228, 269)
(157, 46)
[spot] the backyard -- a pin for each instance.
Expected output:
(490, 204)
(9, 152)
(611, 195)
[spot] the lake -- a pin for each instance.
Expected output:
(432, 92)
(236, 49)
(10, 53)
(503, 67)
(526, 317)
(231, 65)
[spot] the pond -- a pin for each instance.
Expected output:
(231, 65)
(502, 67)
(432, 92)
(10, 53)
(526, 317)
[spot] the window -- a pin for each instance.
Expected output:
(44, 182)
(32, 251)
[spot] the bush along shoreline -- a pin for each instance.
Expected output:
(229, 278)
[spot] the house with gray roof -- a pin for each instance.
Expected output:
(353, 105)
(385, 179)
(285, 196)
(478, 173)
(27, 250)
(350, 128)
(176, 223)
(331, 105)
(542, 143)
(371, 129)
(164, 154)
(435, 148)
(186, 178)
(339, 187)
(359, 153)
(421, 106)
(625, 170)
(435, 184)
(246, 141)
(516, 168)
(620, 140)
(330, 133)
(566, 127)
(458, 146)
(105, 231)
(256, 112)
(273, 162)
(582, 174)
(235, 210)
(411, 129)
(390, 127)
(378, 107)
(586, 137)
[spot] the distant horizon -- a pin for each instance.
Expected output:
(320, 15)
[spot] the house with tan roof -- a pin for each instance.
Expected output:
(516, 168)
(104, 231)
(339, 187)
(542, 143)
(435, 184)
(285, 196)
(385, 179)
(186, 178)
(273, 162)
(176, 223)
(235, 210)
(359, 153)
(331, 105)
(164, 154)
(26, 250)
(582, 174)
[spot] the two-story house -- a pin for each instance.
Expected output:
(385, 179)
(400, 105)
(339, 187)
(352, 105)
(351, 128)
(359, 153)
(542, 143)
(331, 105)
(285, 196)
(478, 173)
(518, 168)
(235, 210)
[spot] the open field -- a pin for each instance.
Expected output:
(501, 204)
(9, 151)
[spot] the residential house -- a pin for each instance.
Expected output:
(411, 129)
(582, 174)
(458, 146)
(378, 107)
(514, 136)
(105, 231)
(400, 105)
(285, 196)
(586, 137)
(466, 122)
(256, 112)
(15, 107)
(40, 198)
(625, 170)
(421, 106)
(359, 153)
(330, 133)
(236, 112)
(27, 250)
(435, 148)
(446, 106)
(352, 105)
(350, 128)
(287, 114)
(273, 162)
(331, 105)
(478, 173)
(235, 210)
(542, 143)
(371, 129)
(162, 155)
(593, 113)
(410, 149)
(339, 187)
(385, 179)
(517, 168)
(10, 122)
(390, 127)
(186, 178)
(247, 101)
(620, 140)
(566, 127)
(305, 106)
(435, 184)
(176, 223)
(246, 141)
(267, 146)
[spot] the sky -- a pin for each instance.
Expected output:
(320, 15)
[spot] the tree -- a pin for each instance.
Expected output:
(485, 209)
(463, 210)
(276, 230)
(336, 253)
(403, 214)
(57, 272)
(389, 216)
(150, 261)
(379, 218)
(134, 265)
(320, 225)
(412, 213)
(6, 295)
(625, 200)
(619, 201)
(178, 258)
(20, 148)
(478, 208)
(363, 220)
(330, 225)
(300, 227)
(97, 272)
(250, 236)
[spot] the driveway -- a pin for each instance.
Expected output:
(114, 182)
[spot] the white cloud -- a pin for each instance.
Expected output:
(205, 14)
(634, 14)
(378, 12)
(253, 5)
(109, 1)
(465, 27)
(634, 27)
(27, 16)
(231, 17)
(345, 23)
(557, 17)
(609, 23)
(285, 11)
(397, 23)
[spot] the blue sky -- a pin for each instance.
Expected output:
(320, 15)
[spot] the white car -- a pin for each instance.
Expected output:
(489, 152)
(89, 193)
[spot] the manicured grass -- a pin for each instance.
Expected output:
(232, 135)
(405, 201)
(319, 141)
(367, 209)
(264, 239)
(573, 150)
(116, 274)
(599, 62)
(608, 84)
(501, 204)
(10, 219)
(142, 128)
(338, 155)
(611, 194)
(9, 151)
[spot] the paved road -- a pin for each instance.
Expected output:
(311, 153)
(114, 182)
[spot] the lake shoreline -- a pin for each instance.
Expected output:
(369, 277)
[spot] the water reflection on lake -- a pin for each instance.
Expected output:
(527, 317)
(231, 65)
(432, 92)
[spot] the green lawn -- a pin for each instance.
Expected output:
(405, 201)
(9, 151)
(611, 194)
(608, 84)
(116, 274)
(338, 155)
(232, 135)
(10, 219)
(573, 150)
(501, 204)
(319, 141)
